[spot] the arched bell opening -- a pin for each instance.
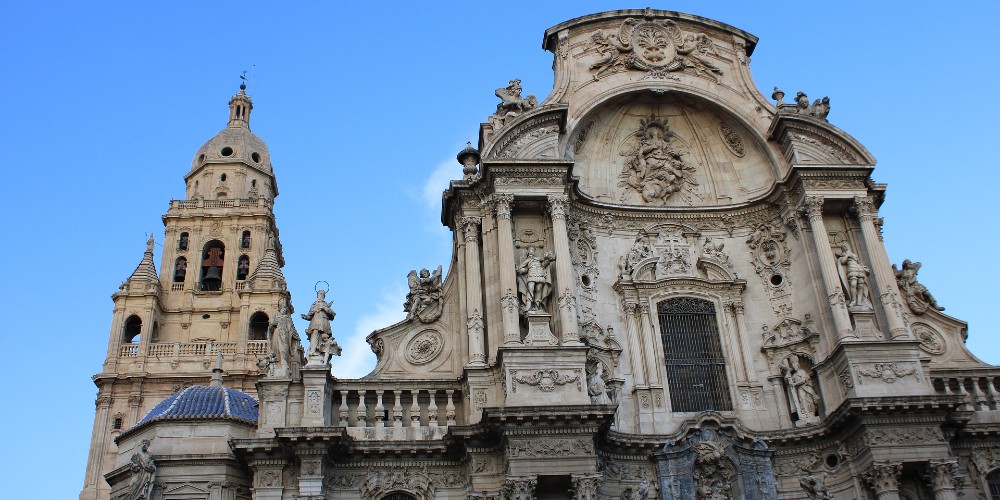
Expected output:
(132, 329)
(258, 326)
(245, 239)
(242, 267)
(180, 270)
(211, 266)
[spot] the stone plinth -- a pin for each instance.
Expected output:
(317, 410)
(536, 376)
(874, 369)
(539, 329)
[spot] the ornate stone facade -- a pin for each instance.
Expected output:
(663, 286)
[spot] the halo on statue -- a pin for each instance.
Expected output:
(316, 287)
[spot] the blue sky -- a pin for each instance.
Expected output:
(363, 107)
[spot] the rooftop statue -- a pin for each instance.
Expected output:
(322, 345)
(917, 296)
(511, 103)
(425, 301)
(283, 341)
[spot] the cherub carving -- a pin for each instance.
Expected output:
(425, 293)
(917, 296)
(696, 48)
(611, 50)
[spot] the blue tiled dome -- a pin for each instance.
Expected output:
(203, 402)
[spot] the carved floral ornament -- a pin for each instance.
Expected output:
(887, 372)
(544, 380)
(424, 347)
(656, 47)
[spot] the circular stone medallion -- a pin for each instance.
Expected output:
(424, 347)
(931, 341)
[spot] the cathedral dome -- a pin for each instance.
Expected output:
(235, 143)
(200, 402)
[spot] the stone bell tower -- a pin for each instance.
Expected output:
(219, 285)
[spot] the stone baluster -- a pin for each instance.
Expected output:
(941, 478)
(432, 409)
(450, 407)
(343, 410)
(828, 267)
(977, 395)
(565, 294)
(883, 478)
(881, 269)
(397, 408)
(379, 409)
(508, 286)
(966, 399)
(415, 408)
(474, 292)
(362, 409)
(994, 395)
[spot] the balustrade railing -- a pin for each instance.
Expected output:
(980, 388)
(177, 349)
(258, 347)
(129, 351)
(403, 405)
(227, 203)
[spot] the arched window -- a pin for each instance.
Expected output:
(993, 482)
(242, 267)
(211, 266)
(696, 370)
(258, 326)
(180, 269)
(182, 242)
(133, 327)
(245, 239)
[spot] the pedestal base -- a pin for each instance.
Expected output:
(542, 376)
(539, 331)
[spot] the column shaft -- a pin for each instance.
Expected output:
(474, 292)
(508, 287)
(828, 268)
(884, 278)
(566, 296)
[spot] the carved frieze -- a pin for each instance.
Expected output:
(535, 138)
(544, 380)
(903, 435)
(551, 447)
(887, 372)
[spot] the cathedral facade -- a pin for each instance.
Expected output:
(663, 285)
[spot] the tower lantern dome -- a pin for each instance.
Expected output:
(239, 109)
(235, 144)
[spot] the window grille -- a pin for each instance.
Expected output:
(398, 495)
(696, 370)
(993, 480)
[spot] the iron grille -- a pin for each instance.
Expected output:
(994, 483)
(696, 370)
(398, 495)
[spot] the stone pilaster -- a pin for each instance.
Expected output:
(882, 269)
(828, 267)
(273, 396)
(267, 479)
(564, 271)
(312, 465)
(508, 286)
(474, 292)
(941, 478)
(883, 478)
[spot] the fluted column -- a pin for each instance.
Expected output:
(474, 292)
(828, 267)
(941, 478)
(508, 286)
(884, 480)
(884, 277)
(564, 271)
(634, 341)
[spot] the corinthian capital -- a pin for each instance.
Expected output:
(470, 228)
(884, 477)
(813, 207)
(502, 203)
(864, 206)
(941, 474)
(557, 205)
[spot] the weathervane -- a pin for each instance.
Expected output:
(243, 77)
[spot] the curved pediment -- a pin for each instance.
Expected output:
(805, 140)
(668, 150)
(533, 135)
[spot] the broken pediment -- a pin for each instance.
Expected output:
(807, 140)
(668, 150)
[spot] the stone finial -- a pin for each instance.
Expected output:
(778, 96)
(217, 372)
(469, 158)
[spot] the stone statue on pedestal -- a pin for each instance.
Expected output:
(804, 399)
(425, 301)
(854, 277)
(282, 339)
(322, 345)
(533, 283)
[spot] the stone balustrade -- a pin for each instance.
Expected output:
(226, 203)
(178, 349)
(979, 387)
(426, 408)
(257, 347)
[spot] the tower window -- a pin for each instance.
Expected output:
(258, 326)
(211, 266)
(222, 177)
(133, 327)
(245, 239)
(253, 182)
(180, 270)
(118, 422)
(226, 151)
(255, 156)
(242, 267)
(696, 370)
(182, 242)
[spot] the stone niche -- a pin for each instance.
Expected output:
(669, 150)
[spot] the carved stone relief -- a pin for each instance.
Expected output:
(657, 48)
(655, 168)
(511, 103)
(770, 257)
(551, 447)
(918, 297)
(732, 139)
(544, 380)
(931, 341)
(888, 373)
(903, 435)
(413, 480)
